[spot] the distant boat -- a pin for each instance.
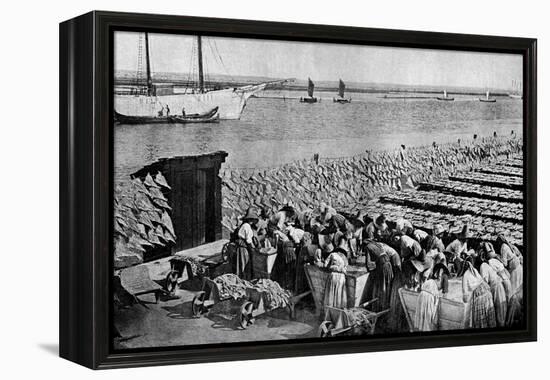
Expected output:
(310, 98)
(518, 89)
(147, 100)
(445, 97)
(211, 116)
(486, 99)
(340, 98)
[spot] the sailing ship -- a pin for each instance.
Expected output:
(445, 97)
(518, 90)
(310, 98)
(340, 98)
(486, 99)
(147, 102)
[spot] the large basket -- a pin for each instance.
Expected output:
(263, 261)
(356, 280)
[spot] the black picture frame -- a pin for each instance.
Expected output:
(86, 186)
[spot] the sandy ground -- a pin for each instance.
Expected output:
(170, 323)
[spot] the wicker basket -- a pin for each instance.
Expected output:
(262, 262)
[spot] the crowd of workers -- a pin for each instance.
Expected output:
(396, 255)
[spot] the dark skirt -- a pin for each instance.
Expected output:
(379, 284)
(284, 269)
(240, 262)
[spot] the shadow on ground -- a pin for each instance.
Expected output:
(51, 348)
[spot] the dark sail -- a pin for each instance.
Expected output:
(310, 87)
(341, 89)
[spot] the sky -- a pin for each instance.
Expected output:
(322, 61)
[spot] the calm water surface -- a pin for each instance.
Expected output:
(275, 131)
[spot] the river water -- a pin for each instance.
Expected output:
(273, 131)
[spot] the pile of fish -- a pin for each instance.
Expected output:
(481, 227)
(473, 190)
(359, 317)
(494, 180)
(353, 180)
(232, 286)
(141, 219)
(457, 205)
(273, 295)
(502, 170)
(198, 269)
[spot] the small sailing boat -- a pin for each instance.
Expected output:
(340, 98)
(517, 86)
(147, 100)
(486, 99)
(445, 97)
(310, 98)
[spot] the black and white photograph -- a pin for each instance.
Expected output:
(272, 190)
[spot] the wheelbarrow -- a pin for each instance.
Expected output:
(254, 306)
(341, 321)
(180, 270)
(250, 306)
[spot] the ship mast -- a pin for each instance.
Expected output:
(201, 73)
(148, 67)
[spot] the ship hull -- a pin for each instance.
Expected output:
(308, 100)
(341, 100)
(230, 102)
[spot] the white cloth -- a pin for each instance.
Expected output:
(246, 233)
(295, 234)
(420, 235)
(426, 316)
(401, 224)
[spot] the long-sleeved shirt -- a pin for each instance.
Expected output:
(457, 247)
(510, 259)
(409, 247)
(489, 275)
(246, 233)
(373, 232)
(278, 220)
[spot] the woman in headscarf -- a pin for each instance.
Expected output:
(426, 316)
(409, 248)
(335, 291)
(305, 254)
(512, 260)
(377, 229)
(476, 293)
(491, 277)
(495, 263)
(432, 249)
(458, 250)
(381, 274)
(241, 264)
